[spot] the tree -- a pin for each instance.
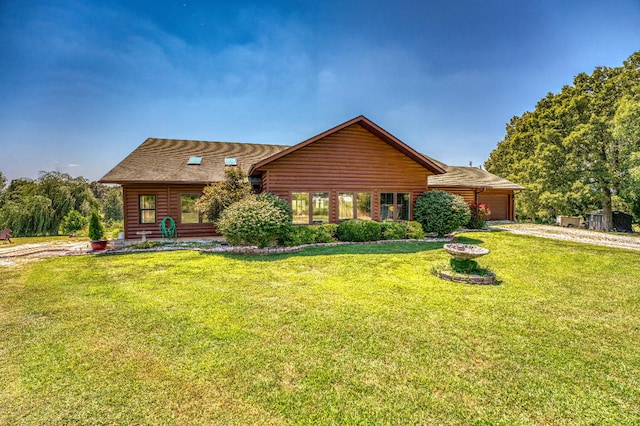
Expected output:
(3, 183)
(220, 195)
(574, 152)
(112, 205)
(38, 207)
(73, 222)
(96, 230)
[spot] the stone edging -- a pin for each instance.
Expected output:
(467, 278)
(270, 250)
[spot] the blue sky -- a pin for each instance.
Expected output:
(84, 83)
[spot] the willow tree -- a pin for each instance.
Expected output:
(575, 151)
(38, 207)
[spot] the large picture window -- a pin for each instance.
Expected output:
(395, 206)
(320, 204)
(189, 212)
(364, 206)
(314, 207)
(147, 208)
(300, 207)
(345, 205)
(386, 206)
(403, 206)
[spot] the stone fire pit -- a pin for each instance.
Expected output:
(465, 251)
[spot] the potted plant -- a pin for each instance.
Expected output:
(96, 233)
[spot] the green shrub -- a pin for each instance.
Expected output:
(73, 222)
(300, 235)
(277, 202)
(359, 230)
(327, 233)
(310, 234)
(441, 213)
(96, 231)
(393, 230)
(479, 215)
(414, 230)
(254, 220)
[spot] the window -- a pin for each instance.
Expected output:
(395, 206)
(354, 205)
(364, 206)
(320, 204)
(300, 207)
(386, 206)
(189, 212)
(402, 206)
(147, 208)
(345, 205)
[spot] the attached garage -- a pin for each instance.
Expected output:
(498, 204)
(477, 186)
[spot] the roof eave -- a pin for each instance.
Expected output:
(156, 182)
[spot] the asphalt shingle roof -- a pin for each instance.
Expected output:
(468, 177)
(166, 160)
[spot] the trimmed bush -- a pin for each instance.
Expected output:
(299, 235)
(393, 230)
(479, 215)
(278, 202)
(441, 213)
(254, 220)
(309, 234)
(358, 230)
(414, 230)
(327, 233)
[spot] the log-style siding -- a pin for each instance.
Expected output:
(349, 160)
(469, 194)
(167, 204)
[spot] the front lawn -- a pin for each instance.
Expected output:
(358, 334)
(20, 241)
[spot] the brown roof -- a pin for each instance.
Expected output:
(369, 125)
(468, 177)
(166, 160)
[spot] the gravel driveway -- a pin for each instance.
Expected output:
(572, 234)
(11, 256)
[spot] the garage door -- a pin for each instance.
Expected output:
(498, 204)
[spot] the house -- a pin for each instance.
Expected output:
(354, 170)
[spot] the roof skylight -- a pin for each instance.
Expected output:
(230, 161)
(195, 161)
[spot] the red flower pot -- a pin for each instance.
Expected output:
(98, 245)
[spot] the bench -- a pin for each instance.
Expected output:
(5, 235)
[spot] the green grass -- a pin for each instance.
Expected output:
(359, 334)
(19, 241)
